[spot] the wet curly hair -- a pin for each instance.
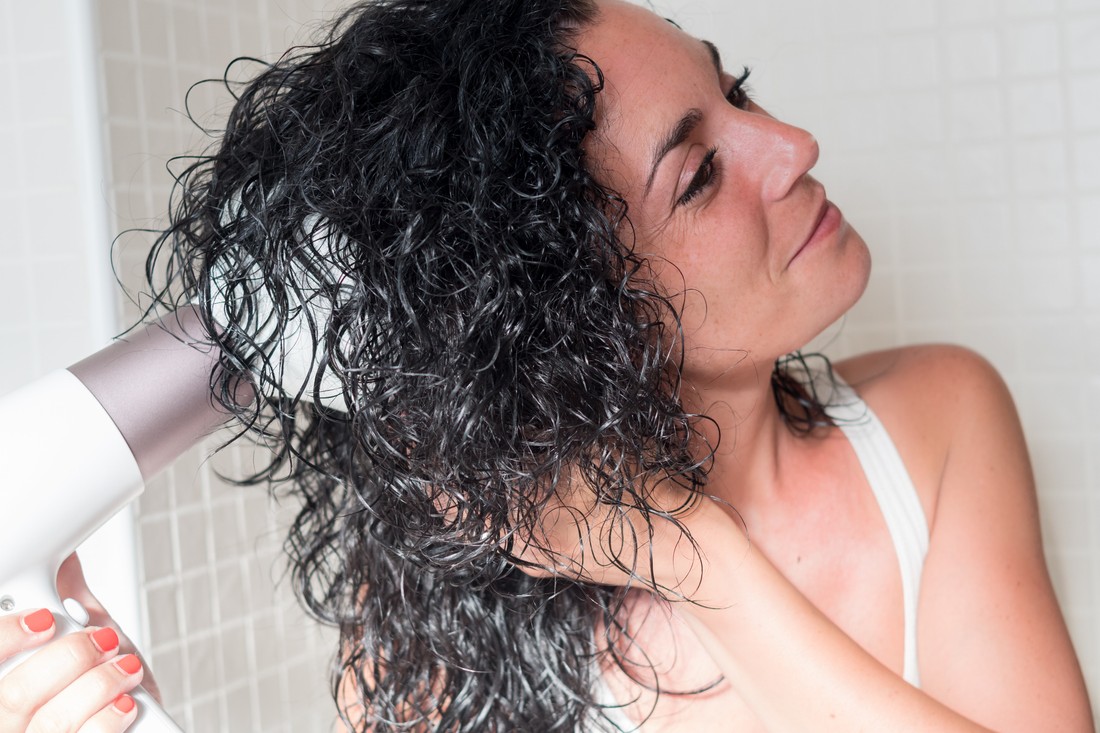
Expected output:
(410, 198)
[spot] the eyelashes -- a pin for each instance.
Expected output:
(739, 96)
(702, 178)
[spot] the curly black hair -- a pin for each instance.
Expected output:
(410, 198)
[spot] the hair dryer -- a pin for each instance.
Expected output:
(78, 445)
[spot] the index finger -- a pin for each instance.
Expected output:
(22, 631)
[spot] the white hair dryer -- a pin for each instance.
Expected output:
(78, 445)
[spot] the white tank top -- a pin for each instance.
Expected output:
(897, 499)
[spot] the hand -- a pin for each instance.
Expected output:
(71, 584)
(75, 683)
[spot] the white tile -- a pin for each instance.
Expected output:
(154, 30)
(36, 28)
(913, 62)
(1084, 43)
(1040, 167)
(1088, 223)
(981, 171)
(926, 295)
(988, 289)
(158, 548)
(199, 602)
(859, 65)
(974, 55)
(113, 23)
(204, 664)
(1043, 226)
(915, 118)
(1065, 515)
(189, 38)
(983, 228)
(1090, 281)
(1084, 102)
(192, 540)
(969, 12)
(977, 113)
(1035, 108)
(922, 175)
(169, 665)
(924, 236)
(15, 294)
(123, 96)
(49, 157)
(44, 90)
(239, 701)
(237, 661)
(208, 714)
(1092, 407)
(1032, 49)
(1086, 159)
(1050, 285)
(902, 15)
(1030, 8)
(164, 618)
(866, 127)
(234, 600)
(1039, 412)
(854, 18)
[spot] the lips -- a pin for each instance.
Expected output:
(825, 223)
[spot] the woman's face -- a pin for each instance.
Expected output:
(719, 196)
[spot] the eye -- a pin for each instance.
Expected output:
(739, 94)
(704, 174)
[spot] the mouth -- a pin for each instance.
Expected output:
(825, 223)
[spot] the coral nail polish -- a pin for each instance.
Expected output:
(124, 704)
(105, 639)
(38, 621)
(129, 664)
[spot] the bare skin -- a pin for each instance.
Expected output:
(806, 626)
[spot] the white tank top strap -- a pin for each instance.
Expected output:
(897, 498)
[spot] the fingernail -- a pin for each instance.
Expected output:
(38, 621)
(105, 639)
(124, 704)
(129, 664)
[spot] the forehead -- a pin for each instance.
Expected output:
(653, 74)
(631, 44)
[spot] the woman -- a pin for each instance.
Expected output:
(553, 259)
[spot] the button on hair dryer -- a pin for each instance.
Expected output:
(78, 445)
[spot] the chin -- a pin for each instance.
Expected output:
(836, 295)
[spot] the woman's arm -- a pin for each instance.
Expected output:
(993, 644)
(994, 649)
(793, 667)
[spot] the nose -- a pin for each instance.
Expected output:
(784, 153)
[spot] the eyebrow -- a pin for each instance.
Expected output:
(683, 128)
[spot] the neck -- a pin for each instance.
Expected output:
(751, 435)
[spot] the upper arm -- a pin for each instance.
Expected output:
(993, 644)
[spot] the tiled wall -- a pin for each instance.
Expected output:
(230, 647)
(962, 138)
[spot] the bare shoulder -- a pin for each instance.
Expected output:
(928, 396)
(939, 372)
